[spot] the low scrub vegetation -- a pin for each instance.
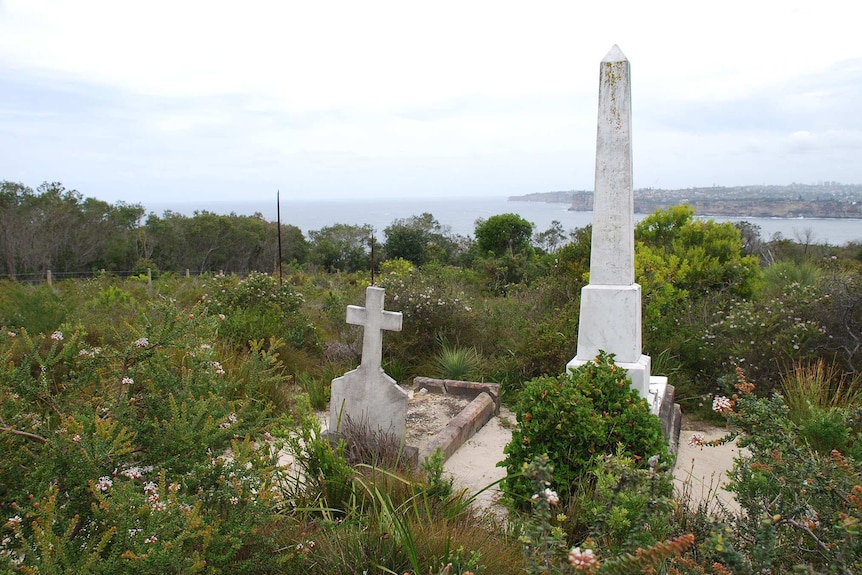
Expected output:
(165, 424)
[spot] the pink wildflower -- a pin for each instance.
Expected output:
(11, 334)
(722, 405)
(585, 559)
(128, 381)
(104, 483)
(14, 521)
(697, 440)
(136, 472)
(142, 342)
(57, 335)
(231, 419)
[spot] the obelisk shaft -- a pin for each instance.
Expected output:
(613, 250)
(610, 317)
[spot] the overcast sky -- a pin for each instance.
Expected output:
(186, 100)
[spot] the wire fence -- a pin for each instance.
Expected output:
(49, 276)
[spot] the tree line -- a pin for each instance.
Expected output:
(53, 228)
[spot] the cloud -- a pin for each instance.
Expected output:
(217, 98)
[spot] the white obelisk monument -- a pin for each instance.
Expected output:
(611, 304)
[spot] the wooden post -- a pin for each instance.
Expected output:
(278, 209)
(188, 274)
(149, 278)
(48, 277)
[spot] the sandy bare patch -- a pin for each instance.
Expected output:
(428, 414)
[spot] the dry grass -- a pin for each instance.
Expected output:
(818, 386)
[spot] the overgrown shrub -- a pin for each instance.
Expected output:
(576, 418)
(257, 307)
(544, 541)
(434, 303)
(136, 458)
(766, 337)
(800, 509)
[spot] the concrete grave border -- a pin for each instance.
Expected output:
(485, 404)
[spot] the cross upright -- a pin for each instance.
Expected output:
(374, 319)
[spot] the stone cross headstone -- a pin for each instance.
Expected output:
(610, 317)
(367, 396)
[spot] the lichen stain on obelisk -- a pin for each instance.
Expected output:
(612, 256)
(610, 317)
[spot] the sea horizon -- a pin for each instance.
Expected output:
(459, 215)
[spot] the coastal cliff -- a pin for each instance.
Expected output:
(828, 200)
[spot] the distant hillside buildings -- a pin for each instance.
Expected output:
(824, 200)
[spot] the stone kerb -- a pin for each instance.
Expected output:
(484, 406)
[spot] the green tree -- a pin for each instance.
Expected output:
(698, 257)
(405, 242)
(341, 247)
(422, 239)
(504, 234)
(550, 239)
(293, 244)
(689, 268)
(58, 229)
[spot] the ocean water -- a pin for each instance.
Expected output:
(460, 215)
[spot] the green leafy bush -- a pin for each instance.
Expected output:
(133, 458)
(765, 336)
(434, 304)
(800, 509)
(257, 307)
(576, 418)
(544, 541)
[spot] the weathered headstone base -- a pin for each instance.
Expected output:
(610, 320)
(638, 372)
(372, 400)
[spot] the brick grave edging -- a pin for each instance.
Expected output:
(484, 405)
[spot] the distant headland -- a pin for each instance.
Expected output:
(823, 200)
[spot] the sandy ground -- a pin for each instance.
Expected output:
(699, 472)
(474, 465)
(702, 471)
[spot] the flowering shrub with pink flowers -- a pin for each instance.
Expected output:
(258, 307)
(545, 546)
(800, 505)
(138, 458)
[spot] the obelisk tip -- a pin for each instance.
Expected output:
(615, 55)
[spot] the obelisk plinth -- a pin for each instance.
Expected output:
(611, 304)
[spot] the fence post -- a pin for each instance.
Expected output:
(188, 275)
(48, 277)
(150, 278)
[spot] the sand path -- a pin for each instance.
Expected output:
(699, 470)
